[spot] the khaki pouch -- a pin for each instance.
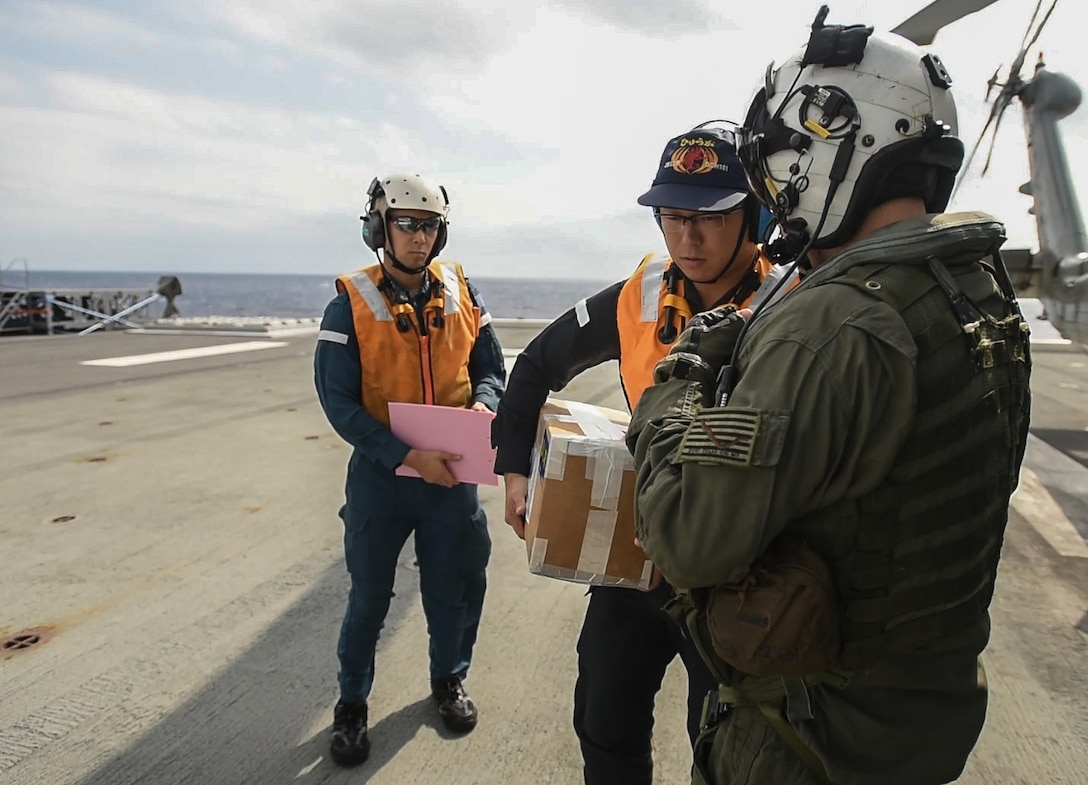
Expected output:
(781, 619)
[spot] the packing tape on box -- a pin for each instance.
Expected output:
(593, 422)
(595, 427)
(538, 552)
(589, 571)
(605, 467)
(591, 578)
(597, 541)
(555, 461)
(534, 463)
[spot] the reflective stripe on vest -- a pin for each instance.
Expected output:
(452, 282)
(374, 299)
(653, 277)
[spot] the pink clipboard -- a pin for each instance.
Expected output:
(461, 431)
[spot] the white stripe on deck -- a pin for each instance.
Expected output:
(184, 354)
(1047, 469)
(271, 332)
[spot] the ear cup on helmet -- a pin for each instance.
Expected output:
(374, 220)
(373, 230)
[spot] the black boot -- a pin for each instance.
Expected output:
(455, 708)
(349, 745)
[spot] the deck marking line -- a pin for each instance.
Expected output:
(1033, 498)
(184, 354)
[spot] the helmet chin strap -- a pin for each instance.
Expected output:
(401, 266)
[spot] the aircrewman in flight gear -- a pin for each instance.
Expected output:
(829, 492)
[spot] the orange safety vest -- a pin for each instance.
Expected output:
(413, 367)
(641, 315)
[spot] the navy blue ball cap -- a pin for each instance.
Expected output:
(699, 171)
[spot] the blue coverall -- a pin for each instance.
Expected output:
(382, 509)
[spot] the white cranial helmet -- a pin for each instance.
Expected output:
(403, 192)
(410, 192)
(832, 122)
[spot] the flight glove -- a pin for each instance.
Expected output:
(703, 348)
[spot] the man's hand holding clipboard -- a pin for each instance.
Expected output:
(446, 440)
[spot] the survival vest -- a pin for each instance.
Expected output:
(915, 559)
(403, 361)
(653, 310)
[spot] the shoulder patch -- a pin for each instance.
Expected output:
(734, 436)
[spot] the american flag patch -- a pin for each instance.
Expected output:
(723, 436)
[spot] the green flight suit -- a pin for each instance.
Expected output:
(825, 400)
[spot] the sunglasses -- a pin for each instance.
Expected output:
(410, 225)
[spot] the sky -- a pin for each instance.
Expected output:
(176, 136)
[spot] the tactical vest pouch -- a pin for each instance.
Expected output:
(781, 619)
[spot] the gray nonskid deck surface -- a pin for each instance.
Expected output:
(174, 528)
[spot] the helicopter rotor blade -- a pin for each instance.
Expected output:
(974, 148)
(924, 25)
(1027, 43)
(1004, 99)
(991, 83)
(981, 135)
(1031, 23)
(1012, 85)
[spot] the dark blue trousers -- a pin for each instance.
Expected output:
(626, 644)
(452, 549)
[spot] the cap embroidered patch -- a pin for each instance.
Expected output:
(695, 157)
(723, 436)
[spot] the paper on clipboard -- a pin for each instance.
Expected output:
(464, 432)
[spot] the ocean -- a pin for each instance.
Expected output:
(301, 296)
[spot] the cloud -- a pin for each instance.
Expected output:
(74, 22)
(607, 246)
(399, 37)
(651, 17)
(544, 121)
(110, 150)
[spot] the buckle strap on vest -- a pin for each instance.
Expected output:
(969, 316)
(752, 692)
(770, 692)
(793, 741)
(766, 695)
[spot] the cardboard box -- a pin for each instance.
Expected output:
(580, 507)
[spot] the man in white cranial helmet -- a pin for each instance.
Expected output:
(410, 329)
(863, 435)
(851, 121)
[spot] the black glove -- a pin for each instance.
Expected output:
(703, 348)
